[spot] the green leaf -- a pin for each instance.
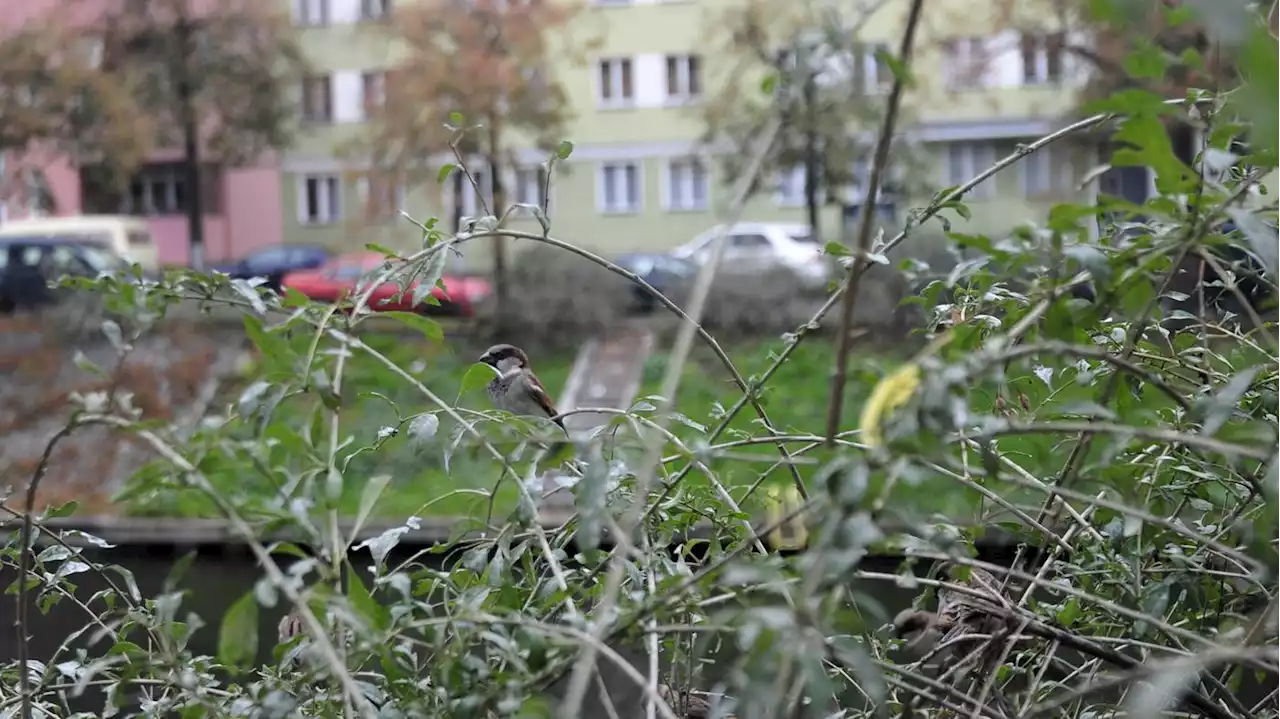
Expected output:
(836, 249)
(590, 497)
(1262, 238)
(445, 170)
(368, 498)
(238, 635)
(427, 326)
(564, 150)
(375, 247)
(769, 84)
(457, 119)
(477, 377)
(1219, 408)
(363, 603)
(65, 509)
(1146, 61)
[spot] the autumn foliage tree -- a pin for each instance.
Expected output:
(217, 78)
(213, 79)
(53, 98)
(473, 81)
(812, 68)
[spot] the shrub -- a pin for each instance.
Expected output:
(558, 300)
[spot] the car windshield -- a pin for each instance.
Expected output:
(804, 238)
(100, 260)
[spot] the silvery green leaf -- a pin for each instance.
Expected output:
(1261, 236)
(246, 290)
(1045, 374)
(86, 364)
(112, 330)
(382, 544)
(423, 429)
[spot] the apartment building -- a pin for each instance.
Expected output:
(639, 176)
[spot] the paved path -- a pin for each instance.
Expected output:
(607, 374)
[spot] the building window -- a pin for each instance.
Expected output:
(966, 160)
(371, 10)
(317, 98)
(872, 73)
(531, 186)
(471, 206)
(617, 88)
(158, 188)
(965, 62)
(619, 189)
(374, 90)
(1047, 173)
(382, 196)
(320, 200)
(1042, 56)
(684, 77)
(311, 13)
(790, 190)
(687, 184)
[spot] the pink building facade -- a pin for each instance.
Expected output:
(245, 215)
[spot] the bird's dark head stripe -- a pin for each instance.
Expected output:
(497, 353)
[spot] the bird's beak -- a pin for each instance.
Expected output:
(485, 358)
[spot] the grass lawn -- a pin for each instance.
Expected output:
(795, 398)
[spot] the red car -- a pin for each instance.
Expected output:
(337, 279)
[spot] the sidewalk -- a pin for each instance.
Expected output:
(606, 374)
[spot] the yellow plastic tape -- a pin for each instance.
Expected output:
(781, 502)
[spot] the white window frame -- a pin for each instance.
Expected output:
(1037, 75)
(871, 83)
(634, 192)
(312, 13)
(168, 180)
(471, 207)
(328, 201)
(373, 10)
(333, 100)
(614, 66)
(680, 176)
(684, 73)
(966, 62)
(528, 182)
(964, 160)
(1047, 173)
(789, 188)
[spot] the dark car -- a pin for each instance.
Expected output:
(29, 265)
(668, 275)
(274, 263)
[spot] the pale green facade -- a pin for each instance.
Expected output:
(998, 117)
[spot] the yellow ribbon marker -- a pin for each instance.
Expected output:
(893, 391)
(783, 501)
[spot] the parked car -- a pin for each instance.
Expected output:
(28, 266)
(667, 274)
(755, 247)
(127, 237)
(274, 263)
(338, 278)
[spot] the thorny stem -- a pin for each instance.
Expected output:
(24, 563)
(860, 257)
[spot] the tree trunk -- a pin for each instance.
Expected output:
(190, 142)
(501, 301)
(812, 168)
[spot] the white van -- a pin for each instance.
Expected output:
(129, 237)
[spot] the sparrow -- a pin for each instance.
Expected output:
(939, 637)
(517, 389)
(686, 703)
